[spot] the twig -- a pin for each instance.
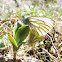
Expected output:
(55, 47)
(51, 56)
(4, 23)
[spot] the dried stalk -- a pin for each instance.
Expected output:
(55, 47)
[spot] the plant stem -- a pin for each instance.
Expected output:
(14, 57)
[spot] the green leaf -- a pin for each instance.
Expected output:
(22, 33)
(15, 49)
(1, 28)
(27, 8)
(18, 10)
(2, 45)
(12, 41)
(16, 27)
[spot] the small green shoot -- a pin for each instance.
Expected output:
(20, 32)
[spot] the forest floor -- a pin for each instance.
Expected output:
(44, 51)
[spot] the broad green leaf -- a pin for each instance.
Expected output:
(22, 33)
(16, 27)
(12, 41)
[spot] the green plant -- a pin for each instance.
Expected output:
(20, 32)
(1, 44)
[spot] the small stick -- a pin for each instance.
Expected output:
(55, 47)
